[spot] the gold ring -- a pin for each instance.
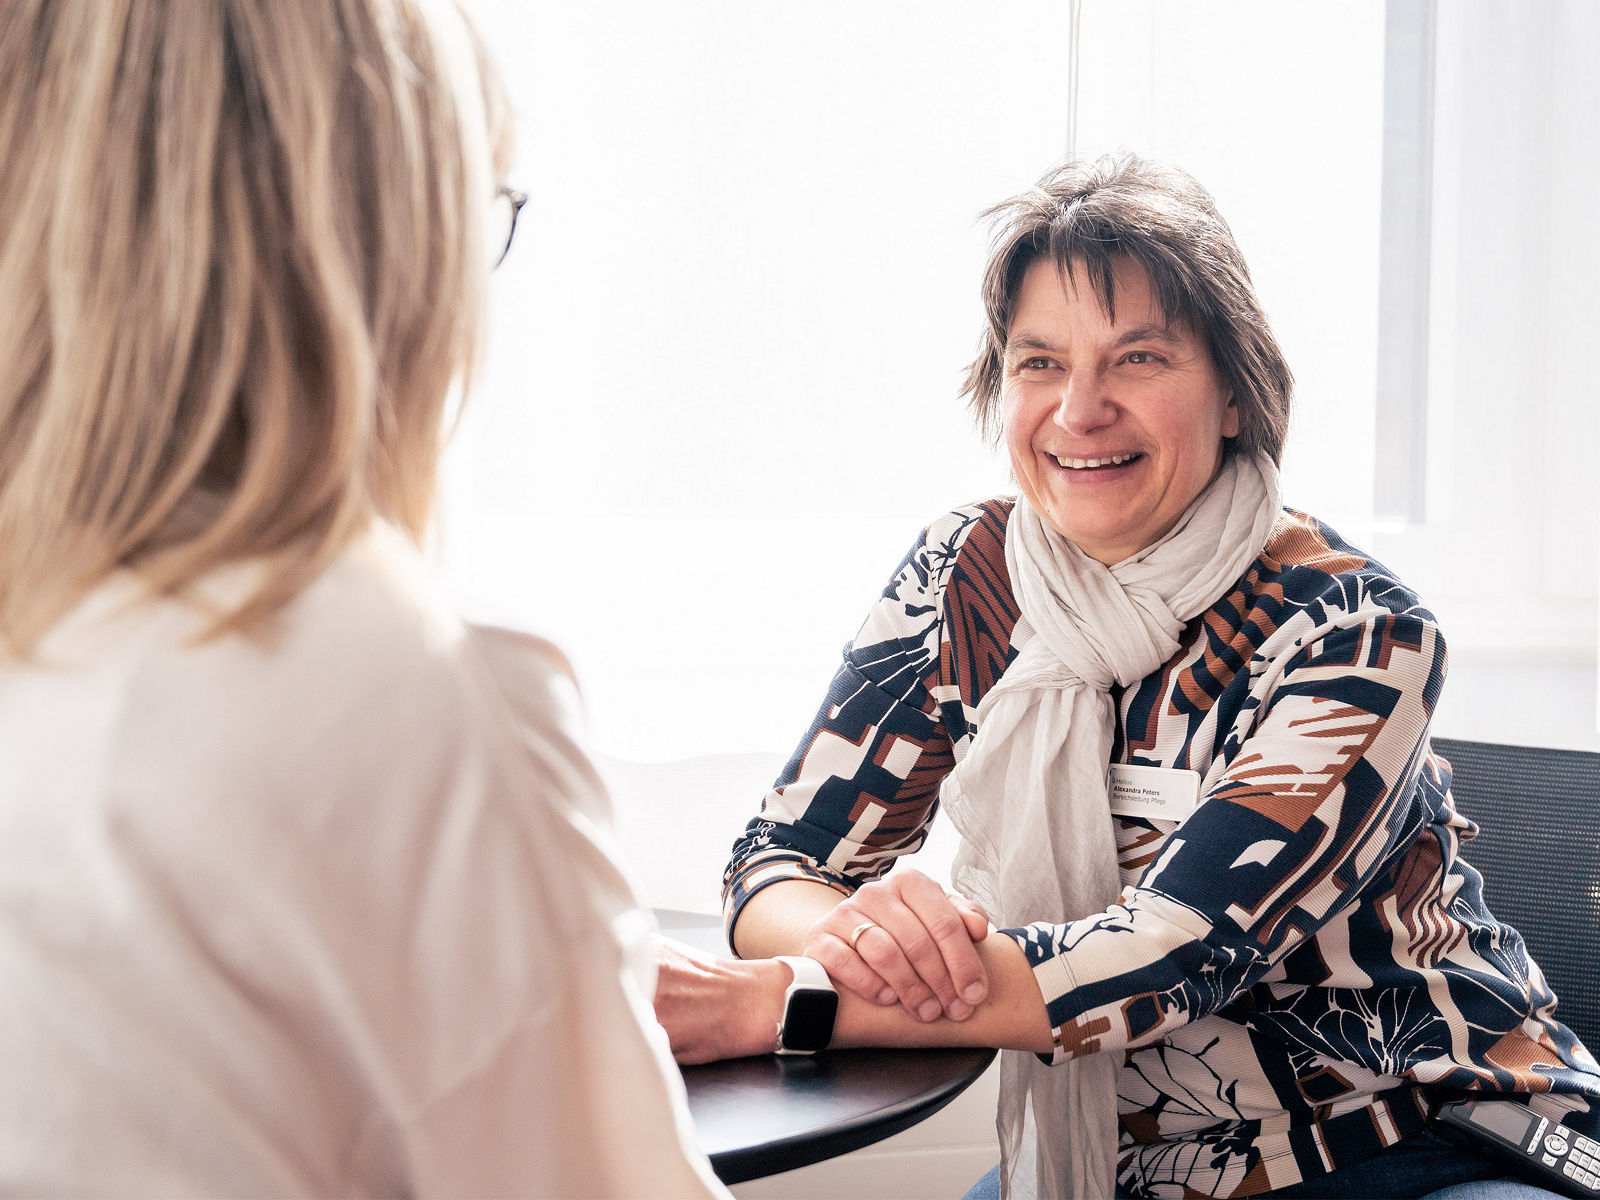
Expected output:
(855, 934)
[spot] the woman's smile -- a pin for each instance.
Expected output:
(1102, 463)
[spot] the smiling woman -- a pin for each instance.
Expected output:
(1183, 733)
(1174, 269)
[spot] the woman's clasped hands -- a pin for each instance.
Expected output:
(906, 940)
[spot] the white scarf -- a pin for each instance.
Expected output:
(1029, 797)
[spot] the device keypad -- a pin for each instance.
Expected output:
(1583, 1157)
(1582, 1168)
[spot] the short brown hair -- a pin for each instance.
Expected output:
(1086, 215)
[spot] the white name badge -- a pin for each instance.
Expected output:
(1154, 793)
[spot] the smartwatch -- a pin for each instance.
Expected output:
(809, 1007)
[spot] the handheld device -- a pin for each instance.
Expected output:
(1549, 1154)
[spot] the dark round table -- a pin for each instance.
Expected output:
(760, 1116)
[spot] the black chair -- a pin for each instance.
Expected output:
(1539, 853)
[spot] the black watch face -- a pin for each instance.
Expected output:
(808, 1023)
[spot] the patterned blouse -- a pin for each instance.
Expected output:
(1290, 970)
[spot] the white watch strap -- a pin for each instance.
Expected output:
(808, 973)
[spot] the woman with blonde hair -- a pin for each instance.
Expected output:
(304, 887)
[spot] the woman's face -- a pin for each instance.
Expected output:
(1113, 427)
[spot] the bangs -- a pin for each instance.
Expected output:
(1079, 245)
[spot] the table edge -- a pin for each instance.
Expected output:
(830, 1141)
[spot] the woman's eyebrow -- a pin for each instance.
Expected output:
(1148, 332)
(1029, 341)
(1152, 332)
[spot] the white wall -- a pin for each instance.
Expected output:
(1509, 554)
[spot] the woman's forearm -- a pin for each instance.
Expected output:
(722, 1008)
(1012, 1017)
(777, 918)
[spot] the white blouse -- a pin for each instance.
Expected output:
(331, 911)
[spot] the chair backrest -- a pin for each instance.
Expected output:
(1539, 854)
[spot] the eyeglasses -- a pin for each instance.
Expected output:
(508, 203)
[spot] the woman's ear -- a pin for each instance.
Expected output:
(1230, 416)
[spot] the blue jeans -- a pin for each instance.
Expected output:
(1422, 1167)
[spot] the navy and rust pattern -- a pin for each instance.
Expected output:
(1290, 970)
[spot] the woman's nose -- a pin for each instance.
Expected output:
(1083, 405)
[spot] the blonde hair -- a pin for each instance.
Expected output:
(242, 260)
